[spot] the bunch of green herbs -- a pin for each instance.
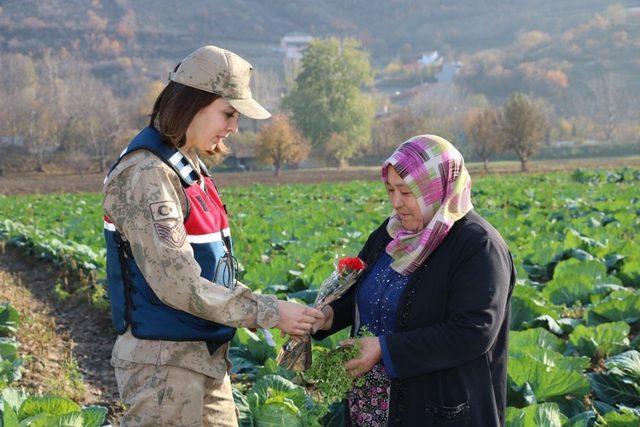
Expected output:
(329, 373)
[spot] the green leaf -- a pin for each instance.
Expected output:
(619, 306)
(39, 420)
(613, 261)
(541, 415)
(547, 322)
(526, 305)
(537, 337)
(630, 272)
(271, 385)
(271, 367)
(277, 414)
(627, 362)
(519, 395)
(275, 399)
(9, 319)
(246, 417)
(602, 340)
(8, 348)
(251, 347)
(14, 397)
(568, 291)
(9, 416)
(547, 383)
(93, 416)
(613, 389)
(603, 407)
(575, 280)
(51, 405)
(570, 363)
(72, 419)
(551, 358)
(574, 239)
(568, 324)
(624, 418)
(584, 419)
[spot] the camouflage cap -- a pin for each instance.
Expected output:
(224, 73)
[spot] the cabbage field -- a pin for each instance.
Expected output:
(574, 355)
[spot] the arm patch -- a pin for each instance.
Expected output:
(173, 234)
(161, 211)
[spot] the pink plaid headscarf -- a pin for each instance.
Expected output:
(434, 172)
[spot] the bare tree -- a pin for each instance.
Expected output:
(443, 108)
(18, 91)
(482, 128)
(54, 104)
(524, 125)
(607, 102)
(391, 131)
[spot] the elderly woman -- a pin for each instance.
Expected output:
(436, 295)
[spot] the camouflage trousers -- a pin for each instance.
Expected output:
(163, 395)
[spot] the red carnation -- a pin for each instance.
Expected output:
(352, 263)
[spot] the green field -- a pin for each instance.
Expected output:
(574, 357)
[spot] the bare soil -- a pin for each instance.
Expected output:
(44, 183)
(66, 345)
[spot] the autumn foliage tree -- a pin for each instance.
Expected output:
(524, 126)
(482, 128)
(279, 143)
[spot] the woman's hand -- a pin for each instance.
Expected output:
(370, 354)
(297, 319)
(324, 323)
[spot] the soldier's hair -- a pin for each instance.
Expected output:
(174, 109)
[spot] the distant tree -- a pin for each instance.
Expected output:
(406, 52)
(18, 91)
(327, 97)
(339, 148)
(145, 105)
(95, 22)
(126, 26)
(280, 144)
(484, 134)
(390, 131)
(524, 126)
(268, 88)
(607, 99)
(532, 39)
(443, 108)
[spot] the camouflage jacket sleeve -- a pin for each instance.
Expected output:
(144, 203)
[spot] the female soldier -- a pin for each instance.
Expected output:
(170, 264)
(436, 295)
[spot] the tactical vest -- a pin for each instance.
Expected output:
(133, 302)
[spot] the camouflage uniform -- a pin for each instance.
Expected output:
(172, 382)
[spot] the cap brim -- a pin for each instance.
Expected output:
(250, 108)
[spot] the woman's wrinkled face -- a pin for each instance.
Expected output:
(211, 125)
(404, 202)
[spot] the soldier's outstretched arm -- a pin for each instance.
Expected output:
(145, 205)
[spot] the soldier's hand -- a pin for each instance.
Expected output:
(324, 323)
(297, 319)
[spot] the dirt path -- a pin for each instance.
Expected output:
(66, 183)
(66, 344)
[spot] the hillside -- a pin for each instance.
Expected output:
(579, 55)
(157, 29)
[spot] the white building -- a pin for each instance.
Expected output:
(428, 59)
(293, 46)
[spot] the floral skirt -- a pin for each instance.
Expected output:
(369, 404)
